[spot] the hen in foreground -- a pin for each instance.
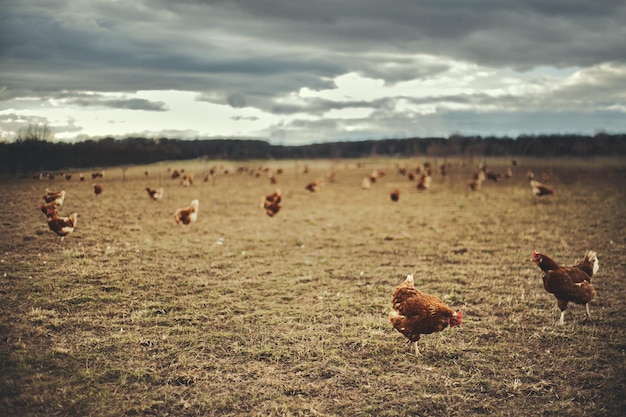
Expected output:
(568, 283)
(187, 215)
(416, 313)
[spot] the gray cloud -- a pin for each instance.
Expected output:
(190, 41)
(130, 104)
(320, 106)
(251, 53)
(403, 125)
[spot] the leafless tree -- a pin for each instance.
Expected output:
(35, 132)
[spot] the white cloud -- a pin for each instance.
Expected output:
(352, 103)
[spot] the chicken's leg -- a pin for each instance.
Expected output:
(588, 313)
(562, 320)
(417, 351)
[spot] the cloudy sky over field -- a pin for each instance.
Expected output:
(295, 72)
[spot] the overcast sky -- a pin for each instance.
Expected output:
(296, 72)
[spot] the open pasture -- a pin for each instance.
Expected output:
(242, 314)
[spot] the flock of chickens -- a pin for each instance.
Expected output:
(414, 312)
(63, 225)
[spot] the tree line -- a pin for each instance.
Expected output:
(35, 154)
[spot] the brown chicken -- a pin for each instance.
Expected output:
(493, 176)
(314, 185)
(271, 203)
(155, 193)
(539, 189)
(56, 197)
(62, 226)
(424, 182)
(479, 175)
(475, 184)
(568, 283)
(187, 215)
(416, 313)
(186, 180)
(48, 207)
(97, 189)
(395, 195)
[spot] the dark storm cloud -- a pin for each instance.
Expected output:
(129, 104)
(508, 33)
(319, 106)
(190, 45)
(252, 53)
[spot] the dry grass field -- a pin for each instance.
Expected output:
(241, 314)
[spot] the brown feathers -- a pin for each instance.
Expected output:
(540, 189)
(568, 283)
(62, 226)
(416, 313)
(155, 193)
(187, 215)
(272, 203)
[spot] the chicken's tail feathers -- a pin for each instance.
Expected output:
(592, 258)
(74, 218)
(409, 279)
